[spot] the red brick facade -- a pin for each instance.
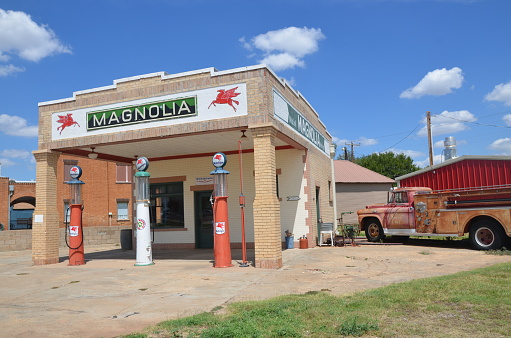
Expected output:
(20, 195)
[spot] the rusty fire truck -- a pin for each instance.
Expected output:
(484, 213)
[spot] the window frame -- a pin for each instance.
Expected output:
(123, 177)
(127, 202)
(155, 208)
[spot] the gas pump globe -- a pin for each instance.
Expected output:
(75, 244)
(142, 199)
(222, 243)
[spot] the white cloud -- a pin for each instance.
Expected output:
(503, 146)
(448, 123)
(339, 142)
(4, 58)
(437, 82)
(10, 69)
(507, 119)
(438, 144)
(410, 153)
(296, 41)
(364, 141)
(501, 93)
(285, 48)
(282, 61)
(15, 153)
(16, 126)
(5, 162)
(436, 160)
(245, 44)
(21, 36)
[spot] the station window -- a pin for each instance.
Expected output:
(123, 173)
(167, 205)
(122, 210)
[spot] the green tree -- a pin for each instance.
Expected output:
(388, 164)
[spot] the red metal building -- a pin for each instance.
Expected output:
(461, 172)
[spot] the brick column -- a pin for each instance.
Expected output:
(45, 225)
(268, 244)
(5, 202)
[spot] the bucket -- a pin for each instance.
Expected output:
(290, 242)
(304, 244)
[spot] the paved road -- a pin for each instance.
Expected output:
(109, 296)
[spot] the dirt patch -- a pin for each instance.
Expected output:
(114, 297)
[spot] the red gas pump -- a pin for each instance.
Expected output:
(75, 244)
(222, 243)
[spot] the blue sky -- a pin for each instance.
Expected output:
(370, 68)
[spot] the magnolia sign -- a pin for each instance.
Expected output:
(165, 110)
(142, 113)
(289, 115)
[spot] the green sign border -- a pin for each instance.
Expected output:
(142, 113)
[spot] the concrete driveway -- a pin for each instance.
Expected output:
(109, 296)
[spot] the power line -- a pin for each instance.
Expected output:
(481, 124)
(404, 138)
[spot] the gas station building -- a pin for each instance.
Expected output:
(178, 121)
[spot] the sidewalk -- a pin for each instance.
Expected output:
(109, 296)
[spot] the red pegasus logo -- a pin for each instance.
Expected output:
(218, 157)
(67, 121)
(225, 97)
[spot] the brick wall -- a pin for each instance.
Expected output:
(100, 192)
(17, 240)
(4, 202)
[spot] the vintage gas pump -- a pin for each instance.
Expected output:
(144, 250)
(222, 243)
(76, 252)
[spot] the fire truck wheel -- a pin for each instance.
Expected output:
(486, 235)
(374, 231)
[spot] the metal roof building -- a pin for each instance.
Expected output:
(461, 172)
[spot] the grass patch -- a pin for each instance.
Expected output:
(457, 305)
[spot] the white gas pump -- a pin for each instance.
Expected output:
(144, 249)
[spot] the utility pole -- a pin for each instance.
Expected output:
(351, 144)
(430, 141)
(345, 152)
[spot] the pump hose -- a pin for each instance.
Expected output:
(67, 231)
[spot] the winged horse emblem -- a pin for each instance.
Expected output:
(67, 121)
(226, 97)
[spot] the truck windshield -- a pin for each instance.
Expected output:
(399, 197)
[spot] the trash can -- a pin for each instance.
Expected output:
(290, 242)
(126, 239)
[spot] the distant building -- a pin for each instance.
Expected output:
(17, 203)
(357, 187)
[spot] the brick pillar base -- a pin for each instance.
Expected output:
(268, 244)
(45, 225)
